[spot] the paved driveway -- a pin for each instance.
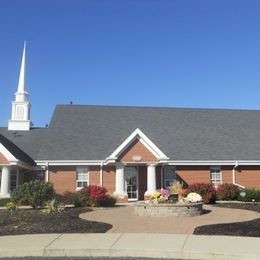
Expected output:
(124, 221)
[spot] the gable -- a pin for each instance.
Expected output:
(143, 144)
(3, 160)
(137, 152)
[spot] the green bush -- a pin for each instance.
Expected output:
(3, 202)
(227, 191)
(205, 190)
(76, 198)
(108, 202)
(33, 193)
(91, 195)
(250, 195)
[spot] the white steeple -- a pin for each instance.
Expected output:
(21, 107)
(21, 94)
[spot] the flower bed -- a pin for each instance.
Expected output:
(171, 203)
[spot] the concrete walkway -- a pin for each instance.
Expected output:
(131, 245)
(124, 220)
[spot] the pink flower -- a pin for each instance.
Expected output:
(165, 192)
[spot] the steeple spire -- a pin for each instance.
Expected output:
(21, 107)
(21, 94)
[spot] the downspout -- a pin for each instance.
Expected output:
(101, 174)
(47, 172)
(234, 176)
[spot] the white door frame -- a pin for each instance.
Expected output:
(137, 181)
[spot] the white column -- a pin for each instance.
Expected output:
(151, 179)
(120, 181)
(5, 182)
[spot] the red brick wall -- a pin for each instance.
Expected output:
(192, 174)
(248, 176)
(227, 174)
(137, 149)
(94, 175)
(109, 178)
(63, 178)
(3, 160)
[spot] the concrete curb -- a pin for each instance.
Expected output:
(131, 245)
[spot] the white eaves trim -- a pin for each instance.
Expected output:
(215, 163)
(99, 162)
(144, 140)
(68, 162)
(7, 154)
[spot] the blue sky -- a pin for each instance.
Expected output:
(183, 53)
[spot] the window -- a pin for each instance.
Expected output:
(38, 176)
(81, 178)
(215, 176)
(13, 181)
(169, 176)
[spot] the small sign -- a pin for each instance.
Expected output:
(242, 194)
(137, 158)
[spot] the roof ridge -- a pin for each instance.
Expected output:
(157, 107)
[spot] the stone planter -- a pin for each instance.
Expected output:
(168, 209)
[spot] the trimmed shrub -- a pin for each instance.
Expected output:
(205, 190)
(96, 196)
(108, 202)
(227, 191)
(33, 193)
(71, 198)
(251, 195)
(92, 195)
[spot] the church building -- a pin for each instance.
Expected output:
(132, 151)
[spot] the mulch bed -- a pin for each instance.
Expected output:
(246, 228)
(28, 221)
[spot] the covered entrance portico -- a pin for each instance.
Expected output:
(5, 179)
(15, 166)
(11, 177)
(140, 181)
(138, 164)
(134, 182)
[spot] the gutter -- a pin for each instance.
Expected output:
(234, 176)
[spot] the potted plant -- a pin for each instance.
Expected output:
(175, 189)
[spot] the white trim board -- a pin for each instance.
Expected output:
(7, 154)
(138, 134)
(215, 163)
(68, 162)
(166, 162)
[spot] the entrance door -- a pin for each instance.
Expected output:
(131, 182)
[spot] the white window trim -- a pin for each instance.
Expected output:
(85, 170)
(216, 168)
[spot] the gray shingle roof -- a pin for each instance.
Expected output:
(24, 145)
(81, 132)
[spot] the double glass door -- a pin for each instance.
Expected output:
(131, 182)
